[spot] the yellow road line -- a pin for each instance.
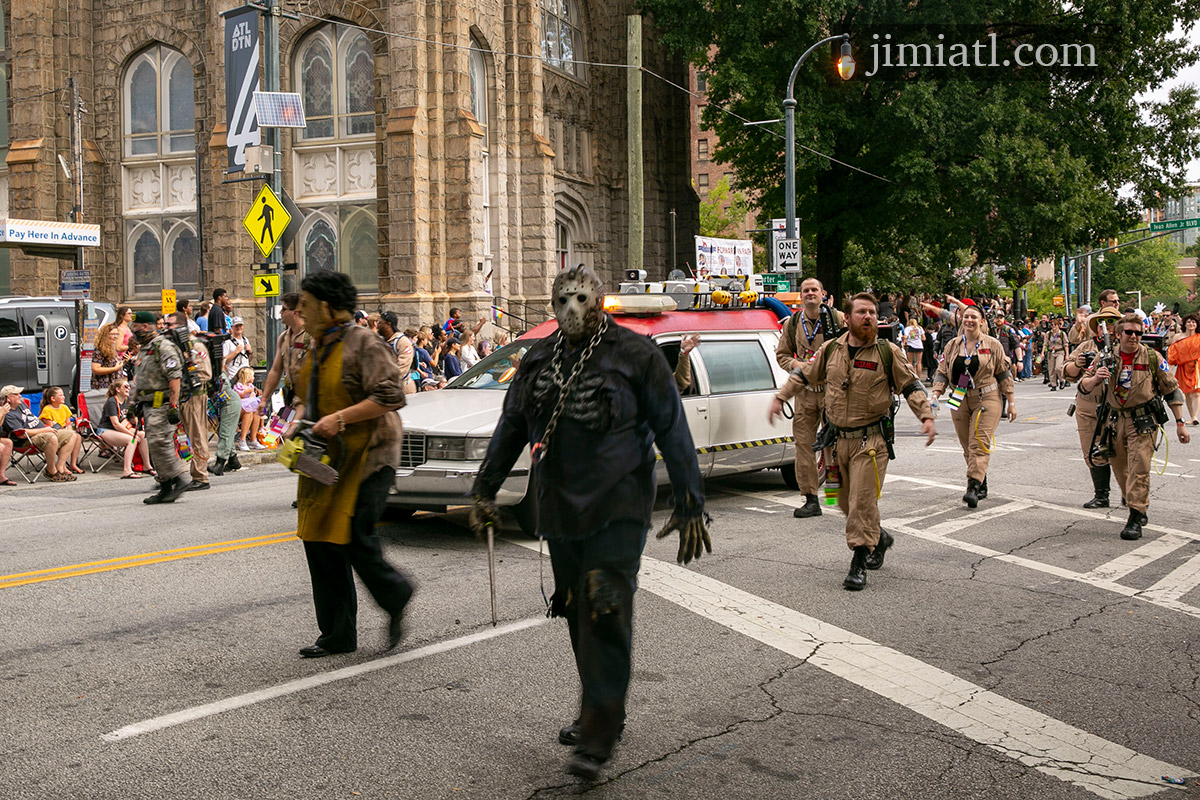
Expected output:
(144, 559)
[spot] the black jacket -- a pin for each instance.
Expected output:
(599, 466)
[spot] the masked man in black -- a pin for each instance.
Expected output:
(594, 398)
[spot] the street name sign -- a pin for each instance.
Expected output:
(1174, 225)
(266, 221)
(266, 285)
(787, 255)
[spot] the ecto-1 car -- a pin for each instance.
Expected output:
(734, 375)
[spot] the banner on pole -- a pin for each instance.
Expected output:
(241, 82)
(723, 257)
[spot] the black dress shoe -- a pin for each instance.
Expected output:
(811, 508)
(857, 578)
(197, 486)
(584, 766)
(875, 559)
(316, 651)
(395, 629)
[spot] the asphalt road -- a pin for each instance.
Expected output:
(1019, 651)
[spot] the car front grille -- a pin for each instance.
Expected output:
(412, 450)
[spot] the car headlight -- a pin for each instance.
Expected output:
(477, 447)
(445, 448)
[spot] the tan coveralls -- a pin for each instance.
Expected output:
(857, 397)
(194, 412)
(1132, 451)
(975, 420)
(1056, 355)
(1086, 402)
(801, 340)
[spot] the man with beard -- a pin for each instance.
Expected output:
(595, 398)
(160, 368)
(348, 388)
(1130, 389)
(804, 334)
(860, 373)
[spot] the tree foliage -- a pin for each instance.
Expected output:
(1005, 165)
(723, 212)
(1149, 267)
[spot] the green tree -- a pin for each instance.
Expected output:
(1149, 267)
(1007, 165)
(723, 212)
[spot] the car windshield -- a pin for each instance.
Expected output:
(496, 371)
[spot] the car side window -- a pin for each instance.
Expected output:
(670, 351)
(9, 326)
(736, 367)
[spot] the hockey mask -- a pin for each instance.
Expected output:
(578, 299)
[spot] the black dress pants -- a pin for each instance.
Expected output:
(329, 565)
(594, 581)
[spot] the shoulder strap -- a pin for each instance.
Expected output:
(885, 361)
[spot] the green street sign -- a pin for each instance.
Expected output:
(779, 282)
(1174, 225)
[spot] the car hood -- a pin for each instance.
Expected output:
(453, 412)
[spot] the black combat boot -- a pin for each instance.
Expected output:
(217, 468)
(971, 498)
(569, 734)
(1133, 528)
(875, 560)
(232, 464)
(857, 579)
(1100, 483)
(811, 508)
(169, 491)
(164, 489)
(983, 489)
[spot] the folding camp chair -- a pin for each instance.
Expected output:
(94, 447)
(27, 458)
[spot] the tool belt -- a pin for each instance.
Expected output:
(864, 431)
(1147, 416)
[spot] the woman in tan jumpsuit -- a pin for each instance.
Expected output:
(976, 370)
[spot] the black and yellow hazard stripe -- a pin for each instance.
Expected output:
(720, 448)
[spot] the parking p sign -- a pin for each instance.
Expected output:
(787, 255)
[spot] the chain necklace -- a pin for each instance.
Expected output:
(538, 451)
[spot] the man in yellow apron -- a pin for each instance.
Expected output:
(349, 388)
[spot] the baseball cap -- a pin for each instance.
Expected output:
(10, 389)
(237, 321)
(360, 314)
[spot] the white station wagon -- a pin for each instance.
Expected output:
(734, 375)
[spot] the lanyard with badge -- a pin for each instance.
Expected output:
(959, 393)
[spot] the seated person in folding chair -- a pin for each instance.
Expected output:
(55, 445)
(6, 450)
(118, 433)
(57, 414)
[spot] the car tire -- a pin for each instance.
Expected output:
(789, 476)
(526, 514)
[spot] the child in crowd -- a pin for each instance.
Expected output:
(250, 420)
(58, 415)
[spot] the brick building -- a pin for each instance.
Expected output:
(706, 173)
(466, 160)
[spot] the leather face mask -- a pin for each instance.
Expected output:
(578, 300)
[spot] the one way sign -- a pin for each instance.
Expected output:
(787, 255)
(266, 285)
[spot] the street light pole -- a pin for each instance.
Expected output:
(1139, 296)
(789, 117)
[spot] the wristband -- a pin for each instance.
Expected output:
(341, 423)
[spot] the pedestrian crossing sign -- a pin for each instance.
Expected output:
(266, 285)
(266, 221)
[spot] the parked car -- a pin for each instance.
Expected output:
(17, 317)
(446, 433)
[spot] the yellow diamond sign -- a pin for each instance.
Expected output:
(266, 221)
(266, 285)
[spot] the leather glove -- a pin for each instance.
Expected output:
(693, 534)
(483, 513)
(173, 415)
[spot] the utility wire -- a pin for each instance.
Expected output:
(539, 57)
